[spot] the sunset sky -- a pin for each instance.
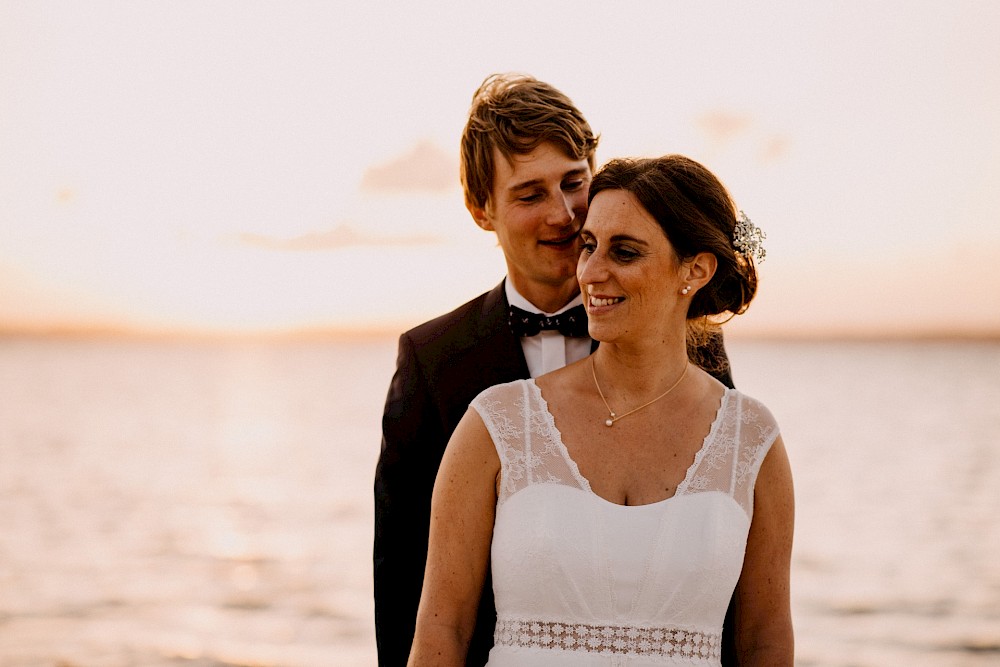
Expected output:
(217, 166)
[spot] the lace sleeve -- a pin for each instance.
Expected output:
(740, 439)
(756, 431)
(526, 439)
(500, 408)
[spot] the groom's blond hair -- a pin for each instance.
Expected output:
(514, 113)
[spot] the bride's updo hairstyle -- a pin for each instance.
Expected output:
(697, 214)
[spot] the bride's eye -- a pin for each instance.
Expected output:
(625, 254)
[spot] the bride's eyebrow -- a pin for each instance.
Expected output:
(619, 238)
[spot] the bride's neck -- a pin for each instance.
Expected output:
(640, 370)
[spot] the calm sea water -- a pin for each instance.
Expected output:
(209, 504)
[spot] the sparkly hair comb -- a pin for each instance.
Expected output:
(748, 238)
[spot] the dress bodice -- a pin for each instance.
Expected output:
(579, 580)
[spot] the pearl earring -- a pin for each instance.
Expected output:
(687, 288)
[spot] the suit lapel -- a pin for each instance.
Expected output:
(501, 356)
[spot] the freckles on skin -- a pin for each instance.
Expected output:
(634, 259)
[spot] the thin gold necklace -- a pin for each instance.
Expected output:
(612, 417)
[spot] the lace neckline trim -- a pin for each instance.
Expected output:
(706, 445)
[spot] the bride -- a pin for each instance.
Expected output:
(620, 501)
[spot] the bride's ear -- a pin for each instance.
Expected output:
(700, 269)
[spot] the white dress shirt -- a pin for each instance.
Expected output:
(549, 350)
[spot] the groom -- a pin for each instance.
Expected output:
(527, 157)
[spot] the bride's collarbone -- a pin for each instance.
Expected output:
(640, 463)
(657, 431)
(641, 458)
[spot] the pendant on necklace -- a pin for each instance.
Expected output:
(611, 421)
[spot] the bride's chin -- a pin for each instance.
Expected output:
(602, 334)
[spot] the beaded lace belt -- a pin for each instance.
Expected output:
(608, 639)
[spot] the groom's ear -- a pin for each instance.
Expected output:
(481, 216)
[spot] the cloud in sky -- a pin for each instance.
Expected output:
(425, 168)
(774, 149)
(342, 236)
(65, 195)
(723, 126)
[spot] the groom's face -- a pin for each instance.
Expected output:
(537, 206)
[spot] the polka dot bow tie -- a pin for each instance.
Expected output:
(572, 322)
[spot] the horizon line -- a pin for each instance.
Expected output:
(392, 331)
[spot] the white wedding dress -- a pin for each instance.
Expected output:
(582, 581)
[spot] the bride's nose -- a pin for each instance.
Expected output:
(592, 268)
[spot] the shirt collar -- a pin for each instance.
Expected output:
(514, 298)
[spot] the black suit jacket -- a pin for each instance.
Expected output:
(442, 365)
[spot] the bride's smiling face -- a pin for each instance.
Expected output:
(628, 271)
